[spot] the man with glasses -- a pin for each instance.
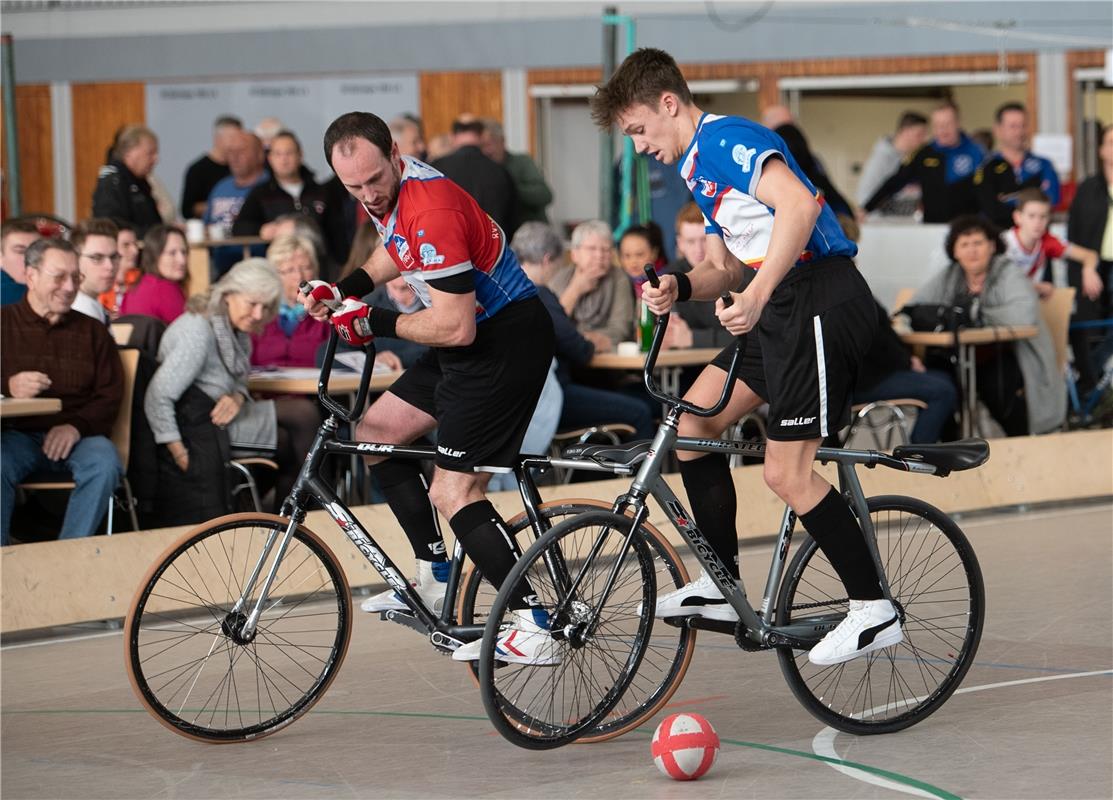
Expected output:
(98, 261)
(47, 350)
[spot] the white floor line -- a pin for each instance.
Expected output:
(824, 742)
(62, 640)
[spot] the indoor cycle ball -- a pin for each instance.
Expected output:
(684, 746)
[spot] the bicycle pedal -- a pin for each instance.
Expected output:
(443, 643)
(404, 618)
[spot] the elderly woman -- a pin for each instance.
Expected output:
(291, 339)
(209, 349)
(1017, 381)
(160, 293)
(594, 292)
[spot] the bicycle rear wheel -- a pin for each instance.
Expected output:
(185, 656)
(541, 707)
(937, 583)
(670, 649)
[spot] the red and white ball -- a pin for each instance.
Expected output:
(684, 746)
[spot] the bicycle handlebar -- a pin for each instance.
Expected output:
(655, 350)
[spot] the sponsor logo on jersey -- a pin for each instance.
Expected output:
(402, 247)
(1031, 165)
(964, 165)
(429, 255)
(708, 188)
(743, 155)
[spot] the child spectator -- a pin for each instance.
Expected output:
(1029, 245)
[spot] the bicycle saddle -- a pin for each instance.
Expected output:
(949, 456)
(618, 454)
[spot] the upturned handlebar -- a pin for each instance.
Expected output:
(356, 411)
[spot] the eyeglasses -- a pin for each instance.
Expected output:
(60, 278)
(100, 258)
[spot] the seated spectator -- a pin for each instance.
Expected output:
(694, 323)
(16, 235)
(247, 163)
(539, 250)
(532, 193)
(209, 348)
(636, 248)
(396, 294)
(1012, 168)
(291, 339)
(593, 291)
(1030, 247)
(161, 293)
(123, 193)
(291, 189)
(97, 257)
(48, 350)
(1019, 382)
(128, 273)
(489, 183)
(304, 227)
(885, 159)
(207, 171)
(889, 372)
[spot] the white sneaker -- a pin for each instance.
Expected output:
(870, 625)
(700, 597)
(522, 642)
(428, 588)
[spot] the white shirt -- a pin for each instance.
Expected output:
(90, 307)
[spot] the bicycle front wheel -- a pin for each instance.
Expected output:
(600, 637)
(187, 657)
(937, 583)
(670, 649)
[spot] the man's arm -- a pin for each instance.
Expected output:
(897, 181)
(718, 272)
(1091, 280)
(96, 415)
(449, 322)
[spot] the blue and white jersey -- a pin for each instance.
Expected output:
(960, 160)
(722, 167)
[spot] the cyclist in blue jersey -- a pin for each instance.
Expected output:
(806, 317)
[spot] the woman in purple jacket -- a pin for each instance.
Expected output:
(291, 339)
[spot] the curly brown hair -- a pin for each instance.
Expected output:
(644, 76)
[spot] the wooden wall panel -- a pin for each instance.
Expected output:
(36, 155)
(446, 95)
(99, 110)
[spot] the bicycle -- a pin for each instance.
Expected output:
(241, 625)
(929, 572)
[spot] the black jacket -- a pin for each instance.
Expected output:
(120, 195)
(1089, 213)
(572, 349)
(942, 201)
(485, 180)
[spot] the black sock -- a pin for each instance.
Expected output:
(407, 494)
(484, 537)
(714, 504)
(835, 529)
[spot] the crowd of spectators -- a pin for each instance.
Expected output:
(194, 410)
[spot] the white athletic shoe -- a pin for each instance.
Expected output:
(429, 589)
(700, 597)
(522, 642)
(870, 625)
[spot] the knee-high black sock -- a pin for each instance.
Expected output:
(407, 494)
(835, 529)
(484, 537)
(714, 504)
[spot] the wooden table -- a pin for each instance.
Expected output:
(968, 340)
(303, 380)
(29, 406)
(669, 363)
(199, 268)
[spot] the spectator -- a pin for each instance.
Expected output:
(290, 339)
(593, 291)
(291, 189)
(397, 294)
(1090, 225)
(885, 159)
(533, 194)
(209, 348)
(889, 372)
(489, 183)
(440, 146)
(246, 163)
(1030, 247)
(206, 172)
(636, 248)
(128, 273)
(161, 293)
(539, 250)
(97, 258)
(1019, 382)
(267, 129)
(1011, 168)
(47, 350)
(406, 132)
(300, 225)
(16, 235)
(694, 324)
(123, 193)
(944, 168)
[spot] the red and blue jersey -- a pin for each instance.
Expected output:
(722, 167)
(438, 230)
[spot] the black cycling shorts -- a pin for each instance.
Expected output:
(803, 356)
(483, 394)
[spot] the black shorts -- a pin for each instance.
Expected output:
(483, 395)
(803, 356)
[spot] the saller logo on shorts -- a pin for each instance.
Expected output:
(447, 451)
(788, 423)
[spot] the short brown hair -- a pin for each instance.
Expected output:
(357, 125)
(17, 225)
(96, 226)
(155, 242)
(1030, 195)
(689, 212)
(644, 76)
